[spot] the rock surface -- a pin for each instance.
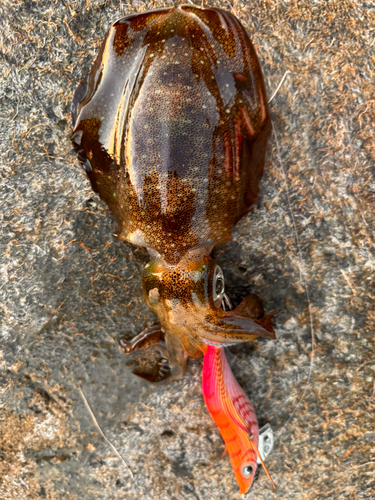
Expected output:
(69, 290)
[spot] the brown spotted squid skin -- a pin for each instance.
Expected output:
(171, 125)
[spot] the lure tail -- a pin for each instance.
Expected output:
(234, 416)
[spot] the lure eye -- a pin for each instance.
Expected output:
(247, 470)
(218, 286)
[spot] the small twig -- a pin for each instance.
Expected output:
(75, 38)
(102, 433)
(362, 465)
(54, 312)
(278, 87)
(114, 276)
(348, 281)
(13, 117)
(308, 43)
(304, 281)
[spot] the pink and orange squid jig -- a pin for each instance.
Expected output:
(234, 416)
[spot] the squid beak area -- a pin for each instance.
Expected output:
(229, 330)
(247, 326)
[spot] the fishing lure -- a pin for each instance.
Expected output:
(234, 416)
(171, 126)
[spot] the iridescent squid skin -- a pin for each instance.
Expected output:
(171, 126)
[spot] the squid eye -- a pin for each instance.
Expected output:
(247, 470)
(218, 286)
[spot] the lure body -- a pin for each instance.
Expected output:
(171, 126)
(233, 414)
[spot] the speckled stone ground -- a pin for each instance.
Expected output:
(69, 290)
